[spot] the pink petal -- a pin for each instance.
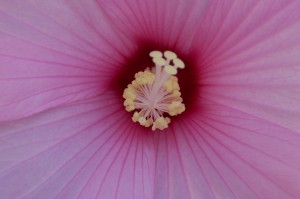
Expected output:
(76, 151)
(165, 23)
(241, 142)
(251, 62)
(52, 53)
(243, 139)
(225, 153)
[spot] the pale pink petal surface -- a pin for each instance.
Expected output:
(65, 133)
(252, 63)
(76, 151)
(52, 54)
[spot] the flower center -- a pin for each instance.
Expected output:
(155, 92)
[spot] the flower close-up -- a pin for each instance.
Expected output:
(151, 99)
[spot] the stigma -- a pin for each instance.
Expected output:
(154, 95)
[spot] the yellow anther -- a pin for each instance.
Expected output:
(159, 61)
(170, 55)
(140, 81)
(141, 78)
(135, 84)
(178, 63)
(172, 84)
(149, 122)
(142, 121)
(176, 94)
(129, 94)
(131, 87)
(150, 79)
(161, 123)
(128, 102)
(170, 70)
(156, 54)
(139, 75)
(135, 116)
(130, 108)
(176, 108)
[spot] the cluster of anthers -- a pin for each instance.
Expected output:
(155, 92)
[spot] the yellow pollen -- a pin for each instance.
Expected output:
(154, 94)
(176, 108)
(161, 123)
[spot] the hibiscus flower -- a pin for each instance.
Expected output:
(64, 130)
